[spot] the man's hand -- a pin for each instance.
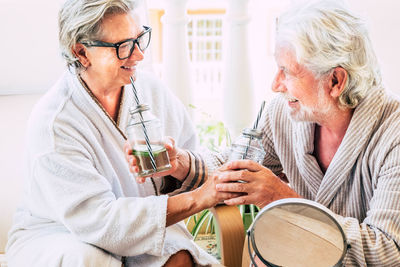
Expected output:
(257, 184)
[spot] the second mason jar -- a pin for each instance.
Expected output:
(248, 146)
(147, 142)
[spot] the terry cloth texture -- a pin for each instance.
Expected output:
(78, 183)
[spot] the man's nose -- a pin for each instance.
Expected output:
(278, 84)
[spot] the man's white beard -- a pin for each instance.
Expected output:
(304, 114)
(317, 113)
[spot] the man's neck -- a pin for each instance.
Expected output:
(336, 123)
(329, 135)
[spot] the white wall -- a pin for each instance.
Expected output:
(14, 112)
(384, 23)
(29, 45)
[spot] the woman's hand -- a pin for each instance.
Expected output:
(208, 196)
(179, 160)
(183, 205)
(256, 184)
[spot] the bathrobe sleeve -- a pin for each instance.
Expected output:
(214, 160)
(375, 241)
(76, 195)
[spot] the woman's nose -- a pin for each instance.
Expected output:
(137, 54)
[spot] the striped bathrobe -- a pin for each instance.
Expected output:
(362, 183)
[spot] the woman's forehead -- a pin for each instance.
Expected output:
(121, 26)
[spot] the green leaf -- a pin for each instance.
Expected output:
(209, 223)
(252, 212)
(199, 224)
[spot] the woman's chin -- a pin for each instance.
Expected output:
(129, 76)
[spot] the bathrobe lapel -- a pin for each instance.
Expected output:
(112, 133)
(365, 118)
(96, 111)
(322, 187)
(306, 163)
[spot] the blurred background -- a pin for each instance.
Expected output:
(31, 62)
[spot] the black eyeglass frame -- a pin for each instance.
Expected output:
(97, 43)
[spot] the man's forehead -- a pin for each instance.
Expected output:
(286, 56)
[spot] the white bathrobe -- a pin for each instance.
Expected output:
(79, 188)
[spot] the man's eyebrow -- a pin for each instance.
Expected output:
(289, 71)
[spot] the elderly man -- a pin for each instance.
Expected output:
(332, 130)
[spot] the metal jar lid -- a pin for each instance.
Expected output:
(139, 108)
(256, 133)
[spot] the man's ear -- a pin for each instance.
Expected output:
(338, 79)
(80, 52)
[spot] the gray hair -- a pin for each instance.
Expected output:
(80, 20)
(326, 34)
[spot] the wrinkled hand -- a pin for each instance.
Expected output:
(178, 158)
(258, 186)
(209, 196)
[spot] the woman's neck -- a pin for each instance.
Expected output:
(109, 98)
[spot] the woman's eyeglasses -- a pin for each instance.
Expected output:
(125, 48)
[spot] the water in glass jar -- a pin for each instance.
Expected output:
(142, 155)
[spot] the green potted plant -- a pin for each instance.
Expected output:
(214, 135)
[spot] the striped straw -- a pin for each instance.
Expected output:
(146, 137)
(134, 92)
(259, 115)
(254, 127)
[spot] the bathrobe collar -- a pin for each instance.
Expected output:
(118, 128)
(324, 187)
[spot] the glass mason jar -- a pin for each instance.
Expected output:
(147, 142)
(248, 146)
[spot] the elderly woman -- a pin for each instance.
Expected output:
(82, 206)
(332, 132)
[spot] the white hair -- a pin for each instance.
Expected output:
(80, 20)
(326, 34)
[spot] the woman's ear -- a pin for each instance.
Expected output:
(80, 52)
(337, 81)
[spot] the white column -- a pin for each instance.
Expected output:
(176, 70)
(238, 86)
